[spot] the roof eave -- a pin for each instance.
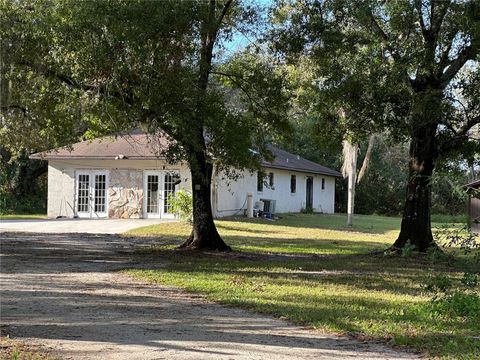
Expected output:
(272, 166)
(68, 157)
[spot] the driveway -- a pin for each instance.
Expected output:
(64, 292)
(63, 226)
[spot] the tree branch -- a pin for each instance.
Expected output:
(437, 20)
(446, 51)
(469, 124)
(376, 28)
(235, 79)
(455, 65)
(224, 12)
(425, 32)
(71, 83)
(456, 142)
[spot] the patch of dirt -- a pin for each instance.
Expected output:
(64, 292)
(10, 349)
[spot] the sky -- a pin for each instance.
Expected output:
(239, 40)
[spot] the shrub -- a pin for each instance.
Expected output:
(457, 304)
(182, 205)
(307, 210)
(462, 300)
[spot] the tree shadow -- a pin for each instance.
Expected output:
(363, 223)
(60, 289)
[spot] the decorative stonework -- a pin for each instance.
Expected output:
(125, 194)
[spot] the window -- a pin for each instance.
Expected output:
(293, 184)
(260, 176)
(83, 193)
(100, 192)
(270, 180)
(152, 194)
(323, 183)
(170, 180)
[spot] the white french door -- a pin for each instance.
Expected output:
(91, 194)
(158, 187)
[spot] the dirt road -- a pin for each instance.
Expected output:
(64, 292)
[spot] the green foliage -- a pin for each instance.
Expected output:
(182, 204)
(457, 298)
(457, 304)
(110, 66)
(404, 69)
(23, 184)
(408, 250)
(307, 210)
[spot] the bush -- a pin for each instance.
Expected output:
(457, 304)
(307, 210)
(462, 299)
(182, 205)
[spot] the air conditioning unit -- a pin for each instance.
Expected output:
(269, 205)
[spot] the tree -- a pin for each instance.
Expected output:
(161, 65)
(408, 68)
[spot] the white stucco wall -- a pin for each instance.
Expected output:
(228, 196)
(62, 187)
(61, 191)
(231, 195)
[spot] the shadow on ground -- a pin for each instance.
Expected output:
(64, 292)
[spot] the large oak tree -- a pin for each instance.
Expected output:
(164, 65)
(407, 68)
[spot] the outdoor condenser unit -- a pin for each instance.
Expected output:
(269, 205)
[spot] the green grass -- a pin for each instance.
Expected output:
(22, 216)
(313, 271)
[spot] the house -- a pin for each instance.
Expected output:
(473, 191)
(125, 177)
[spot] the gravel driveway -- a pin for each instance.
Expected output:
(63, 291)
(63, 226)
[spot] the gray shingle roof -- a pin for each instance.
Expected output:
(288, 161)
(141, 146)
(135, 146)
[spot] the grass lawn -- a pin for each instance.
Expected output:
(22, 216)
(314, 271)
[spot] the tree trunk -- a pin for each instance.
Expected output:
(204, 234)
(416, 224)
(351, 187)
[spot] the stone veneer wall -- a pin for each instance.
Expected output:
(125, 194)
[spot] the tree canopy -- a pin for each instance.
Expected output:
(111, 66)
(405, 68)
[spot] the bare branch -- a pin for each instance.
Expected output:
(461, 135)
(425, 32)
(224, 12)
(469, 124)
(366, 160)
(437, 20)
(446, 50)
(455, 65)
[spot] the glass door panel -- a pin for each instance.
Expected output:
(153, 194)
(91, 194)
(100, 199)
(83, 194)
